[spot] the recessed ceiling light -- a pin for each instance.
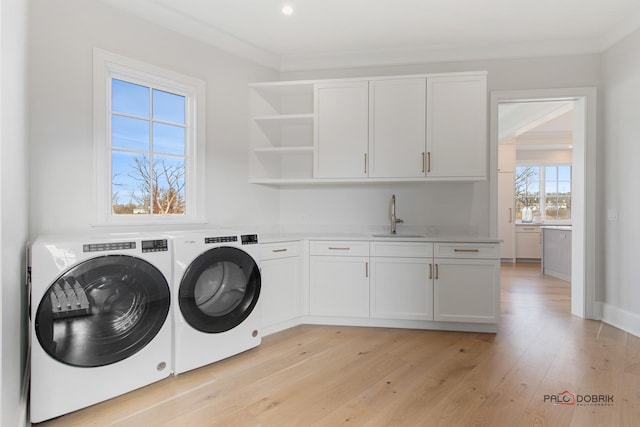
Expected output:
(287, 10)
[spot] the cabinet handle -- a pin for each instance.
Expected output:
(366, 269)
(466, 250)
(430, 271)
(423, 162)
(510, 214)
(428, 161)
(365, 163)
(436, 271)
(279, 250)
(334, 248)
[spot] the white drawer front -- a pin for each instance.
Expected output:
(527, 229)
(279, 250)
(467, 250)
(339, 248)
(401, 249)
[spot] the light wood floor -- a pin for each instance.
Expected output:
(329, 376)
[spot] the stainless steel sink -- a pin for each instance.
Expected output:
(398, 236)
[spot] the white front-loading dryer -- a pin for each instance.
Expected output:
(216, 297)
(100, 319)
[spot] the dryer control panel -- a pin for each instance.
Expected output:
(249, 239)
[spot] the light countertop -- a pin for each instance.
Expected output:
(284, 237)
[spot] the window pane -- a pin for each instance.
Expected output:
(551, 173)
(551, 188)
(564, 173)
(168, 139)
(168, 107)
(169, 197)
(564, 208)
(132, 134)
(564, 187)
(130, 183)
(129, 98)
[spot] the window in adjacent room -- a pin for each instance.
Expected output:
(545, 190)
(149, 142)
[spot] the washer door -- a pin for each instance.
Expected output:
(219, 289)
(102, 311)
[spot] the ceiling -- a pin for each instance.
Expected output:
(332, 33)
(536, 125)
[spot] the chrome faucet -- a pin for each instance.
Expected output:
(394, 221)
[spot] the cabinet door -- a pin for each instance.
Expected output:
(341, 130)
(528, 242)
(401, 288)
(506, 214)
(280, 294)
(506, 158)
(466, 290)
(339, 286)
(457, 126)
(397, 128)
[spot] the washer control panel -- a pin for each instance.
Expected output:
(110, 246)
(159, 245)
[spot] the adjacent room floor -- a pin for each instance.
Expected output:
(544, 367)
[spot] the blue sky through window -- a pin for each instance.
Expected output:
(146, 124)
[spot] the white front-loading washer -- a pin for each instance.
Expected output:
(216, 297)
(100, 319)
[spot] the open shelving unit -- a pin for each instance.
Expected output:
(281, 132)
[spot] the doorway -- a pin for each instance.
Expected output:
(583, 104)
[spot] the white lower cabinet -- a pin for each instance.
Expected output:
(379, 283)
(280, 295)
(401, 289)
(339, 279)
(401, 281)
(466, 283)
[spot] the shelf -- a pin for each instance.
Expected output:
(284, 150)
(285, 119)
(299, 87)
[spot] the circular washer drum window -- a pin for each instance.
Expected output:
(102, 311)
(219, 289)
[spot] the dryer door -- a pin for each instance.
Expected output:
(219, 289)
(102, 311)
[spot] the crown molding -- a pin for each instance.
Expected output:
(177, 21)
(421, 55)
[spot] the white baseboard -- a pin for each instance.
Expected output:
(621, 319)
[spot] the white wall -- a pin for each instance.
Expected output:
(448, 207)
(63, 34)
(13, 210)
(621, 72)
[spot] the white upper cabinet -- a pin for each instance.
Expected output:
(457, 126)
(341, 130)
(430, 127)
(397, 128)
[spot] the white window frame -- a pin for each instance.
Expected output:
(107, 66)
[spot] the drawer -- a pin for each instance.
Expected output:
(339, 248)
(527, 229)
(279, 250)
(467, 250)
(401, 249)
